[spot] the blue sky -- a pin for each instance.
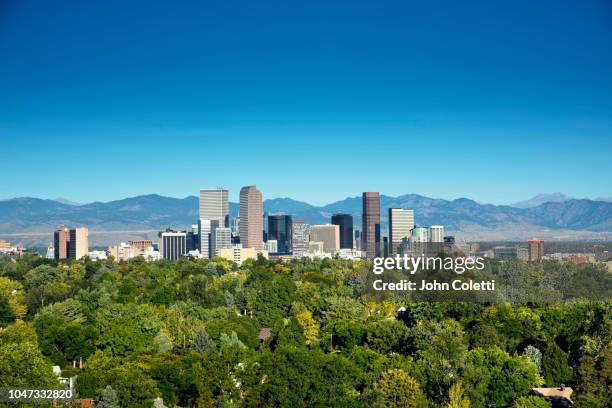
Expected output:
(314, 100)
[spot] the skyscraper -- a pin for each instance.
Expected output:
(79, 243)
(400, 223)
(328, 234)
(370, 230)
(251, 219)
(214, 208)
(71, 243)
(206, 228)
(214, 205)
(300, 238)
(280, 229)
(61, 237)
(536, 249)
(345, 223)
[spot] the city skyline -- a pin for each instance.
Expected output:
(480, 98)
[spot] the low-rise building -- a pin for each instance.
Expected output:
(96, 255)
(238, 254)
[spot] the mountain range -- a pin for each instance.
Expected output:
(31, 221)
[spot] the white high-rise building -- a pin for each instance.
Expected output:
(436, 233)
(401, 222)
(300, 237)
(328, 234)
(206, 228)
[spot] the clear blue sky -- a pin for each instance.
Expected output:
(315, 100)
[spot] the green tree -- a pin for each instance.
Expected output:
(232, 341)
(441, 355)
(21, 362)
(135, 388)
(595, 379)
(531, 402)
(108, 399)
(12, 291)
(457, 398)
(387, 336)
(291, 334)
(398, 389)
(297, 377)
(555, 368)
(122, 336)
(227, 365)
(346, 334)
(494, 377)
(7, 314)
(534, 355)
(201, 343)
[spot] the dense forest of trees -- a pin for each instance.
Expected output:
(190, 332)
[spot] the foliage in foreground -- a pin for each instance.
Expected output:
(188, 331)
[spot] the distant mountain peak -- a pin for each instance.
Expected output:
(541, 199)
(33, 220)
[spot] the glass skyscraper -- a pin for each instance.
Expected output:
(280, 229)
(345, 222)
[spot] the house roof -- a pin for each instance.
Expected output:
(265, 333)
(555, 394)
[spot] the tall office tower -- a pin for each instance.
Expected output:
(61, 237)
(536, 249)
(345, 223)
(70, 243)
(436, 233)
(328, 234)
(78, 246)
(220, 238)
(214, 210)
(370, 230)
(280, 228)
(206, 227)
(300, 237)
(400, 223)
(251, 219)
(214, 205)
(172, 244)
